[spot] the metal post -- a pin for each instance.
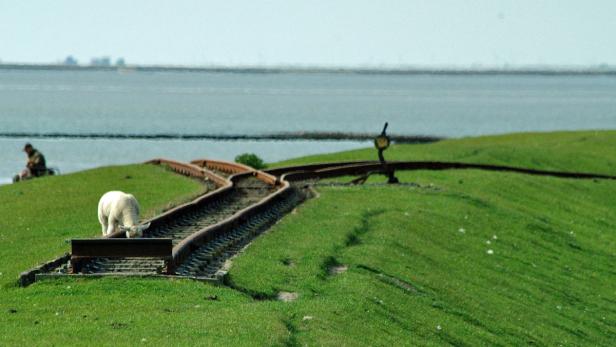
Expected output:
(381, 143)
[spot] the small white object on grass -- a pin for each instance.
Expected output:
(287, 296)
(489, 251)
(462, 230)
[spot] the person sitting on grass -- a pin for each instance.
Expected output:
(35, 167)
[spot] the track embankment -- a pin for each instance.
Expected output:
(197, 238)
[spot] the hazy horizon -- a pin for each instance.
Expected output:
(441, 33)
(427, 67)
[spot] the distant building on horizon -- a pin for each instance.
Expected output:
(101, 61)
(120, 62)
(70, 61)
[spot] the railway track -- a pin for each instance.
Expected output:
(337, 169)
(208, 259)
(247, 191)
(203, 233)
(240, 188)
(195, 239)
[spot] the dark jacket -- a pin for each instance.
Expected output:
(36, 163)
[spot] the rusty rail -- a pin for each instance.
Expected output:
(28, 277)
(199, 169)
(239, 171)
(186, 246)
(106, 244)
(117, 248)
(222, 166)
(84, 249)
(332, 170)
(190, 170)
(116, 245)
(235, 168)
(179, 167)
(314, 167)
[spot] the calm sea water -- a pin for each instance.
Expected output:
(228, 103)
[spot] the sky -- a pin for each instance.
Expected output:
(331, 33)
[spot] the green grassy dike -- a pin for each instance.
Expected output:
(458, 257)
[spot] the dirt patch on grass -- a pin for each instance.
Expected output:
(287, 296)
(338, 269)
(118, 325)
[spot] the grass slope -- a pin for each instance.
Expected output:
(457, 257)
(591, 151)
(462, 259)
(53, 209)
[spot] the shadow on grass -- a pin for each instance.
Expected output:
(292, 329)
(406, 286)
(255, 295)
(353, 238)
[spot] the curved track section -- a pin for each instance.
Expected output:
(241, 188)
(203, 255)
(246, 191)
(62, 265)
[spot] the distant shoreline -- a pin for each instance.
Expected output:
(539, 71)
(290, 136)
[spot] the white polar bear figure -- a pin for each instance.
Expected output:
(120, 211)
